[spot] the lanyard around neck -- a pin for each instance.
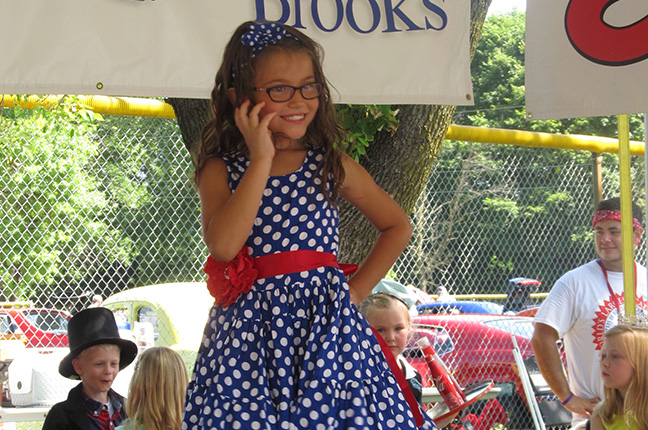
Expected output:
(612, 295)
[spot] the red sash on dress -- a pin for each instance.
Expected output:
(227, 281)
(298, 261)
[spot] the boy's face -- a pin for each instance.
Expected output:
(98, 367)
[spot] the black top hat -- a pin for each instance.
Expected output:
(94, 326)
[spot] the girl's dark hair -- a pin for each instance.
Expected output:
(220, 136)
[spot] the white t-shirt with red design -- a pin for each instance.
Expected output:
(580, 309)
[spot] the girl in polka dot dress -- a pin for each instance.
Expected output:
(284, 347)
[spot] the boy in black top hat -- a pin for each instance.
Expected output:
(97, 354)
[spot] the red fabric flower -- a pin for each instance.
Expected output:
(227, 281)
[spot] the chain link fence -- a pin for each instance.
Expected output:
(113, 207)
(492, 212)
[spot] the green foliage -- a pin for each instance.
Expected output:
(498, 75)
(362, 122)
(551, 214)
(51, 228)
(145, 175)
(496, 212)
(493, 198)
(92, 204)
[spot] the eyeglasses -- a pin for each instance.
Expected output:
(283, 93)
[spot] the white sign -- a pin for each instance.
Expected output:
(376, 51)
(586, 58)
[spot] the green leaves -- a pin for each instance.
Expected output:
(363, 122)
(52, 207)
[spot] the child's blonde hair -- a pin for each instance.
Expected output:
(633, 403)
(383, 300)
(157, 391)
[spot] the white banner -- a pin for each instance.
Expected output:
(376, 51)
(586, 58)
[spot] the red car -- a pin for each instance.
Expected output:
(43, 328)
(475, 348)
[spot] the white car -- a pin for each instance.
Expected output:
(176, 313)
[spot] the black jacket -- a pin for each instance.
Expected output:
(70, 414)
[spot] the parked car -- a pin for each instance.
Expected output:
(475, 348)
(519, 291)
(25, 328)
(11, 340)
(460, 307)
(175, 312)
(529, 312)
(11, 344)
(42, 328)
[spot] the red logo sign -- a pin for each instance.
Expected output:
(601, 42)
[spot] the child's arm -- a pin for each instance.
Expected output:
(388, 218)
(227, 217)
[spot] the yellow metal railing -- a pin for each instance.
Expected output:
(133, 106)
(15, 305)
(486, 297)
(540, 140)
(128, 106)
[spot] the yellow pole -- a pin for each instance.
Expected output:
(539, 140)
(626, 216)
(104, 105)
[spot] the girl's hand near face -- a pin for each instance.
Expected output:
(255, 130)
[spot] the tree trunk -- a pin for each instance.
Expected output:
(192, 115)
(399, 163)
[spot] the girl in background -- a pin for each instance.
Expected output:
(284, 348)
(156, 392)
(389, 316)
(624, 369)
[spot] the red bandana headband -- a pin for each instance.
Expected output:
(613, 215)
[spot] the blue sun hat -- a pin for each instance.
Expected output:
(396, 289)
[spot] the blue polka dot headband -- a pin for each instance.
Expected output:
(261, 35)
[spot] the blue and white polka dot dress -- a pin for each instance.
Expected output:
(293, 353)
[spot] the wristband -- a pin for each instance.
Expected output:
(564, 402)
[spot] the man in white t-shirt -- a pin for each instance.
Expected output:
(582, 305)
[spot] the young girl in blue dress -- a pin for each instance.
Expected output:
(284, 347)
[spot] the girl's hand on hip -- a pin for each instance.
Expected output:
(255, 130)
